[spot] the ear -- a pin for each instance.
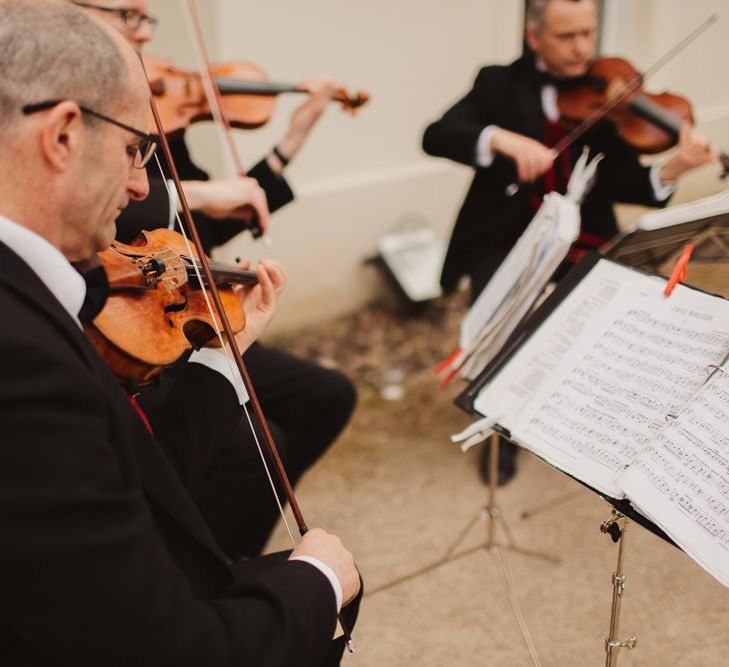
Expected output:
(62, 135)
(531, 39)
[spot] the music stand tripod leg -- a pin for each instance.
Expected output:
(616, 527)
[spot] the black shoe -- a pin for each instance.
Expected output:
(507, 462)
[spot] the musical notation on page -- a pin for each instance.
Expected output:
(681, 479)
(640, 358)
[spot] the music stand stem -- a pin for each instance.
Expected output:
(616, 527)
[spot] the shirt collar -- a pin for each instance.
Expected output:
(48, 263)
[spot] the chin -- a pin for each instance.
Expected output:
(105, 238)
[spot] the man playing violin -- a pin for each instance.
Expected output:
(504, 128)
(103, 555)
(307, 405)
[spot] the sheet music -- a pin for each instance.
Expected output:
(510, 293)
(698, 209)
(511, 388)
(643, 357)
(552, 230)
(681, 479)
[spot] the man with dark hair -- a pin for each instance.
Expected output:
(103, 555)
(505, 127)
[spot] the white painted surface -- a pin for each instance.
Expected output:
(360, 178)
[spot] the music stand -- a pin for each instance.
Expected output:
(622, 510)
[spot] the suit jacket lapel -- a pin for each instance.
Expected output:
(159, 479)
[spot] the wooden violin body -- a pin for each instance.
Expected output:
(155, 309)
(648, 122)
(612, 90)
(246, 95)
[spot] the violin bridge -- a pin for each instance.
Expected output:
(165, 269)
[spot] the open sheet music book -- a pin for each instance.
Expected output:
(594, 389)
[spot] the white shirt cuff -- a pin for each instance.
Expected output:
(173, 204)
(328, 573)
(661, 190)
(484, 152)
(214, 359)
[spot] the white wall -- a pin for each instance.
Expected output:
(359, 178)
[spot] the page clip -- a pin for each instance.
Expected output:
(679, 271)
(477, 432)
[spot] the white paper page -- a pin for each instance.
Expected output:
(698, 209)
(642, 358)
(681, 479)
(557, 220)
(511, 388)
(552, 252)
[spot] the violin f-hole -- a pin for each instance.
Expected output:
(175, 308)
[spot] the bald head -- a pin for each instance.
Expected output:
(50, 49)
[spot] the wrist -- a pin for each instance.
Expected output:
(668, 174)
(282, 158)
(290, 145)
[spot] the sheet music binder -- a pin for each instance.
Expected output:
(519, 338)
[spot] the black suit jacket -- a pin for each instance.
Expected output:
(103, 557)
(153, 211)
(490, 222)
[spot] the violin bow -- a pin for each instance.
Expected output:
(215, 101)
(234, 354)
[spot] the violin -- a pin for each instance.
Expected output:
(247, 97)
(612, 90)
(153, 283)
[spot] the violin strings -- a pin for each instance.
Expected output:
(229, 359)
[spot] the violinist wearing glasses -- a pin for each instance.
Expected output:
(307, 405)
(504, 128)
(103, 556)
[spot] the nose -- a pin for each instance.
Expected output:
(142, 35)
(138, 184)
(583, 45)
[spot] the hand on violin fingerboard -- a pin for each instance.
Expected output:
(228, 198)
(532, 158)
(692, 150)
(321, 90)
(260, 301)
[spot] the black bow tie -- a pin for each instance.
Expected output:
(97, 287)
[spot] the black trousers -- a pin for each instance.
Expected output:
(306, 407)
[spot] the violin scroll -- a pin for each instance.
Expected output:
(351, 103)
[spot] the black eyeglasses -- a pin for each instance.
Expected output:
(132, 18)
(140, 154)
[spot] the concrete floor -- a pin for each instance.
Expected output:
(400, 495)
